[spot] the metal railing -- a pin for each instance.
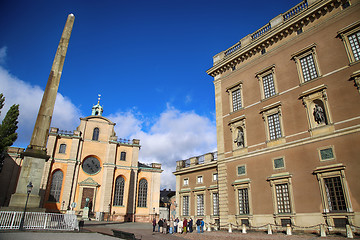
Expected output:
(66, 133)
(39, 221)
(124, 141)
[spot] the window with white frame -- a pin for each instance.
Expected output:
(281, 186)
(350, 36)
(186, 182)
(62, 148)
(283, 198)
(200, 204)
(215, 177)
(185, 208)
(235, 93)
(215, 196)
(306, 63)
(243, 199)
(267, 82)
(273, 122)
(274, 126)
(335, 196)
(200, 179)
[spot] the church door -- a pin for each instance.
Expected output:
(87, 193)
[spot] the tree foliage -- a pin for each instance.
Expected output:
(8, 128)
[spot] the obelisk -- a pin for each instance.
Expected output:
(35, 155)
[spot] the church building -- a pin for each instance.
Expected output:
(92, 163)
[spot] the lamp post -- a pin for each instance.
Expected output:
(29, 188)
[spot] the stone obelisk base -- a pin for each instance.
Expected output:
(31, 171)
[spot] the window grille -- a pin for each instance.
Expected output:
(269, 87)
(200, 205)
(274, 126)
(335, 194)
(95, 136)
(185, 205)
(62, 148)
(142, 199)
(236, 99)
(119, 192)
(283, 198)
(354, 40)
(243, 201)
(56, 184)
(123, 156)
(216, 204)
(308, 68)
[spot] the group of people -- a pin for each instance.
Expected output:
(178, 225)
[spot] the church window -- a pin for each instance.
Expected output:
(142, 199)
(62, 148)
(119, 191)
(123, 156)
(56, 184)
(95, 136)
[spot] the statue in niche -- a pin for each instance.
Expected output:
(319, 115)
(239, 140)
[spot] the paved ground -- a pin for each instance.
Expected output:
(103, 231)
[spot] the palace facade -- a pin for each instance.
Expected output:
(92, 162)
(288, 125)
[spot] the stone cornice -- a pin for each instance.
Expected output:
(279, 29)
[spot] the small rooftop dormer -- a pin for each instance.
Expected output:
(97, 109)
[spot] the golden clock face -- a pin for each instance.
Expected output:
(91, 165)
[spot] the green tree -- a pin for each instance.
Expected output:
(8, 128)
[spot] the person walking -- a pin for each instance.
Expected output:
(154, 224)
(185, 225)
(198, 223)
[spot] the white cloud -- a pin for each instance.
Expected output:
(176, 136)
(3, 54)
(16, 91)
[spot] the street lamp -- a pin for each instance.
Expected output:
(29, 188)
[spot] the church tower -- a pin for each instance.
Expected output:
(97, 109)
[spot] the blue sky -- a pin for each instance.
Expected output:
(146, 58)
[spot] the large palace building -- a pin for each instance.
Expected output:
(288, 125)
(92, 162)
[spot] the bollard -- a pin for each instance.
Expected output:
(322, 230)
(209, 228)
(243, 228)
(269, 229)
(288, 229)
(230, 228)
(349, 233)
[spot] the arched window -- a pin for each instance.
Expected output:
(56, 184)
(62, 148)
(142, 193)
(119, 191)
(95, 136)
